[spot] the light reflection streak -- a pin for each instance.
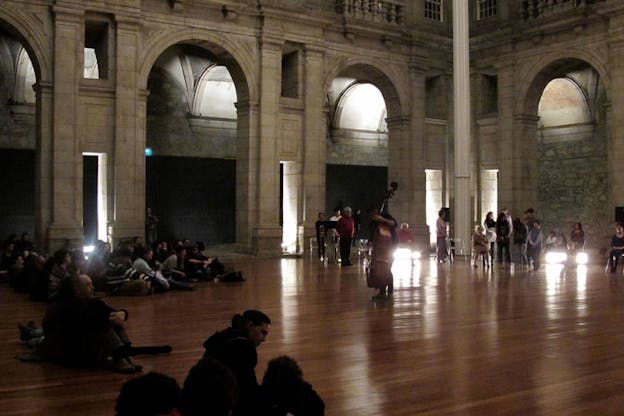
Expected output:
(289, 299)
(553, 273)
(581, 293)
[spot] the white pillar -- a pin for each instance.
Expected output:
(461, 103)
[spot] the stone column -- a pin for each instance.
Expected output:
(43, 161)
(129, 146)
(246, 172)
(267, 234)
(314, 145)
(524, 162)
(461, 213)
(506, 105)
(66, 202)
(417, 188)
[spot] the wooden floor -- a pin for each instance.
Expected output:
(452, 341)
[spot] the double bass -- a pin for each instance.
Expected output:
(383, 238)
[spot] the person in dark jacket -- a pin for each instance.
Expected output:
(235, 347)
(83, 331)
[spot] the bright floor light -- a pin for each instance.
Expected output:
(406, 254)
(582, 258)
(556, 257)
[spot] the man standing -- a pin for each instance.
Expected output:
(441, 236)
(345, 228)
(320, 235)
(534, 245)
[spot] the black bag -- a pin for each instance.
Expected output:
(233, 277)
(216, 268)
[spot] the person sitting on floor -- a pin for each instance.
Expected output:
(235, 347)
(153, 394)
(209, 389)
(83, 331)
(288, 392)
(143, 265)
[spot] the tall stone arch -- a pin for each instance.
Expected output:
(405, 159)
(538, 177)
(239, 57)
(30, 31)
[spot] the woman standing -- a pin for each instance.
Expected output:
(490, 231)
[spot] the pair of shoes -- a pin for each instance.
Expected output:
(380, 295)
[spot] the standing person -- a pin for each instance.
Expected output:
(333, 234)
(320, 235)
(503, 236)
(617, 247)
(577, 238)
(490, 231)
(357, 223)
(379, 274)
(151, 227)
(520, 236)
(235, 347)
(480, 246)
(534, 245)
(345, 228)
(441, 235)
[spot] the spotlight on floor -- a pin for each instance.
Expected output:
(556, 257)
(582, 258)
(406, 254)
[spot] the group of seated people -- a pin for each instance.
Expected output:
(80, 330)
(130, 269)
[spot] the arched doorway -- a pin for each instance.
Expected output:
(18, 137)
(572, 182)
(192, 127)
(363, 108)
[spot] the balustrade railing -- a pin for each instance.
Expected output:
(382, 11)
(535, 9)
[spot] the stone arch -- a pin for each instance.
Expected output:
(374, 72)
(534, 80)
(558, 155)
(32, 39)
(233, 56)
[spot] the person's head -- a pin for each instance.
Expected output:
(62, 257)
(86, 287)
(505, 211)
(578, 226)
(321, 216)
(254, 324)
(347, 211)
(441, 213)
(489, 215)
(148, 253)
(480, 229)
(536, 224)
(148, 211)
(124, 255)
(25, 236)
(404, 226)
(530, 212)
(153, 394)
(209, 389)
(619, 227)
(336, 212)
(281, 376)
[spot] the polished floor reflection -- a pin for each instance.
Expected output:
(453, 340)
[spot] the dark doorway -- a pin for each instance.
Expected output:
(90, 198)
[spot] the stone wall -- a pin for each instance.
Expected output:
(573, 182)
